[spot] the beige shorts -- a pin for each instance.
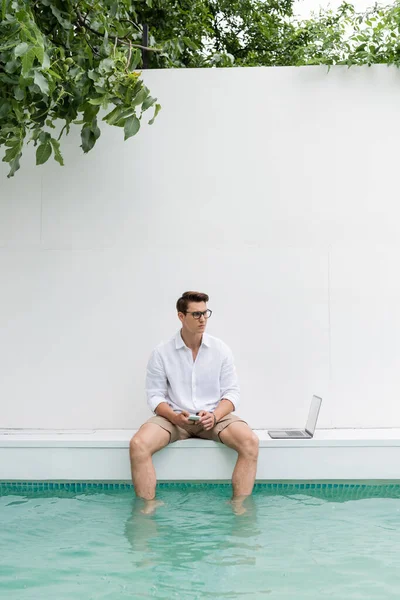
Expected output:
(195, 430)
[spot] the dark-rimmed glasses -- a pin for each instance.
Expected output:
(198, 314)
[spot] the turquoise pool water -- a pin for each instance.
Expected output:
(292, 543)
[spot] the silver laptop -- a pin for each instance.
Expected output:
(308, 432)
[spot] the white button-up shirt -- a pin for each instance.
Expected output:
(173, 376)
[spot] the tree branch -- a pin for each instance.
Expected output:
(120, 41)
(132, 23)
(128, 60)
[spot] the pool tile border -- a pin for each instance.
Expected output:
(364, 489)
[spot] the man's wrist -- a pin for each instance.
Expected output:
(173, 418)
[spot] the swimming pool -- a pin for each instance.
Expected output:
(294, 541)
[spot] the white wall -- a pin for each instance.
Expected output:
(275, 190)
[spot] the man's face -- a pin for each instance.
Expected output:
(189, 322)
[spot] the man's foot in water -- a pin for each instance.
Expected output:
(237, 505)
(150, 506)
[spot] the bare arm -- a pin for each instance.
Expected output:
(180, 419)
(210, 419)
(224, 408)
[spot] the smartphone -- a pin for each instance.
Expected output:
(193, 418)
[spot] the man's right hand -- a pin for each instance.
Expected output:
(181, 419)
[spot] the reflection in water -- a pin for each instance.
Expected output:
(101, 545)
(185, 540)
(141, 531)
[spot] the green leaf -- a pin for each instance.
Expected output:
(141, 96)
(18, 110)
(53, 74)
(131, 127)
(44, 137)
(27, 61)
(157, 109)
(97, 101)
(12, 152)
(105, 45)
(19, 94)
(115, 115)
(89, 135)
(190, 44)
(114, 8)
(57, 154)
(58, 15)
(118, 115)
(5, 108)
(39, 51)
(45, 61)
(14, 164)
(89, 112)
(106, 65)
(10, 80)
(41, 81)
(148, 102)
(135, 59)
(95, 129)
(20, 49)
(43, 153)
(12, 66)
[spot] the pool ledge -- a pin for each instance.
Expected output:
(91, 455)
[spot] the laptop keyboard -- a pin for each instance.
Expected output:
(295, 433)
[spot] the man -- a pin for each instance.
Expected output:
(193, 373)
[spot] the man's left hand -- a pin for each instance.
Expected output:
(207, 419)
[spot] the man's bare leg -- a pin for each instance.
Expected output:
(241, 438)
(149, 439)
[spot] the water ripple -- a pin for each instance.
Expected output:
(294, 546)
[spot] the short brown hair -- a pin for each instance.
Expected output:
(182, 303)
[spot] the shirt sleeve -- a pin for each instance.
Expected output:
(156, 381)
(229, 385)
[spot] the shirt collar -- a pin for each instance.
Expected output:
(179, 343)
(205, 340)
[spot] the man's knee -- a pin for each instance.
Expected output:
(149, 439)
(139, 448)
(248, 446)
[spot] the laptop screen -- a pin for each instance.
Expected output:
(313, 414)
